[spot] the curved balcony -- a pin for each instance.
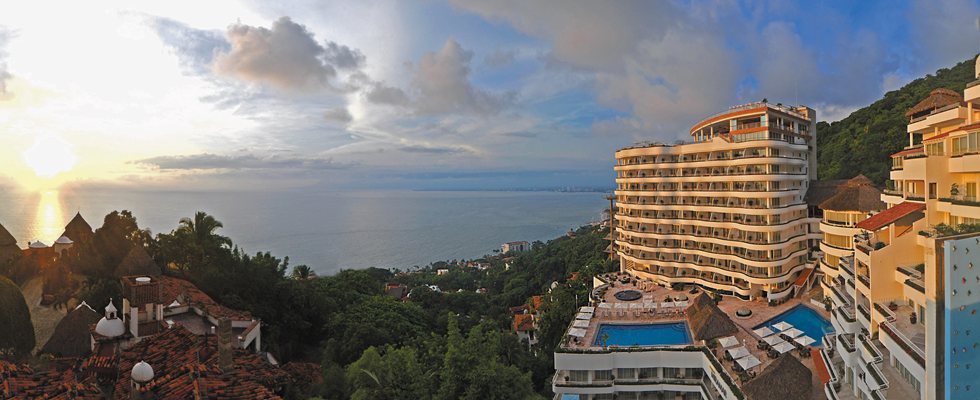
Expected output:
(756, 210)
(720, 240)
(761, 279)
(759, 262)
(708, 162)
(641, 214)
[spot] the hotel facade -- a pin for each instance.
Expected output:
(905, 304)
(726, 212)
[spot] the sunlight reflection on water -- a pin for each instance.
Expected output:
(49, 221)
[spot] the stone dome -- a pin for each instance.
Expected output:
(142, 372)
(63, 240)
(110, 327)
(37, 245)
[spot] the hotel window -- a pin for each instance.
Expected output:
(971, 191)
(936, 149)
(576, 375)
(648, 373)
(626, 373)
(671, 372)
(602, 375)
(932, 190)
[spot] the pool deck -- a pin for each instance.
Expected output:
(761, 312)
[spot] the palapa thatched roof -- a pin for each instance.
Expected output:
(707, 321)
(786, 378)
(822, 190)
(857, 194)
(71, 337)
(78, 230)
(137, 262)
(6, 239)
(938, 98)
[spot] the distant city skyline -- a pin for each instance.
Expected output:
(423, 95)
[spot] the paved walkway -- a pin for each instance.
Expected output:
(44, 318)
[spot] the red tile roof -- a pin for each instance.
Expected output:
(822, 372)
(803, 277)
(523, 322)
(185, 293)
(909, 151)
(535, 303)
(890, 215)
(937, 137)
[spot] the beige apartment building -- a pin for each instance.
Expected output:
(905, 304)
(725, 212)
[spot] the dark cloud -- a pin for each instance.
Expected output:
(432, 149)
(339, 114)
(343, 57)
(209, 161)
(379, 93)
(285, 57)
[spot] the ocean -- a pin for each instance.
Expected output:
(328, 231)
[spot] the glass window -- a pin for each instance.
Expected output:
(576, 375)
(602, 375)
(626, 373)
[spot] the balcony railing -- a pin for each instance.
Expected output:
(864, 280)
(878, 378)
(905, 343)
(876, 356)
(847, 314)
(864, 311)
(916, 284)
(847, 341)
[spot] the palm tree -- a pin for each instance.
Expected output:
(202, 230)
(303, 272)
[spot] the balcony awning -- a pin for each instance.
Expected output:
(916, 150)
(937, 137)
(890, 215)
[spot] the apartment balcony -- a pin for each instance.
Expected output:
(864, 316)
(846, 319)
(847, 350)
(874, 377)
(841, 298)
(901, 337)
(959, 205)
(847, 266)
(869, 351)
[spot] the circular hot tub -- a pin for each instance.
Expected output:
(628, 295)
(743, 312)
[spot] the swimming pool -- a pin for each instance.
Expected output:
(805, 319)
(643, 334)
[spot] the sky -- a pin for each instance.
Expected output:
(457, 94)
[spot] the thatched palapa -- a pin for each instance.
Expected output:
(707, 321)
(938, 98)
(71, 337)
(8, 245)
(822, 190)
(78, 230)
(857, 194)
(786, 378)
(137, 262)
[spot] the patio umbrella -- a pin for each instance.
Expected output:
(587, 309)
(773, 340)
(729, 341)
(782, 326)
(783, 347)
(581, 323)
(763, 331)
(804, 340)
(738, 352)
(577, 332)
(748, 362)
(793, 332)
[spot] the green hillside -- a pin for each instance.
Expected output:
(863, 142)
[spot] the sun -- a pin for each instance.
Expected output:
(50, 156)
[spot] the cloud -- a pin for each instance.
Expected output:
(286, 57)
(943, 32)
(441, 85)
(244, 161)
(195, 48)
(339, 114)
(434, 149)
(442, 79)
(343, 57)
(5, 36)
(500, 58)
(379, 93)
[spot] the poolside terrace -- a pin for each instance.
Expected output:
(651, 308)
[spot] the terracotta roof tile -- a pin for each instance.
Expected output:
(890, 215)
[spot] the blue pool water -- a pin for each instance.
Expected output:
(805, 319)
(643, 334)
